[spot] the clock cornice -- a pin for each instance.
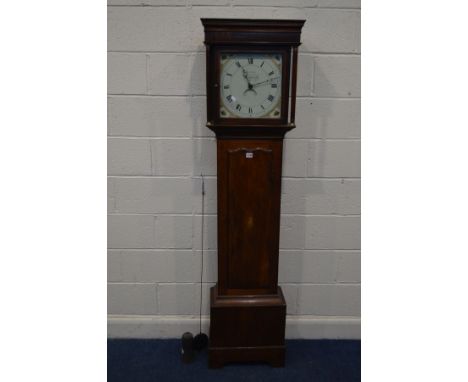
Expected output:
(252, 31)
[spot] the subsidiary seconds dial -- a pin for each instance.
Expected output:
(250, 86)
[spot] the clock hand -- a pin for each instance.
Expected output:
(263, 82)
(244, 73)
(250, 86)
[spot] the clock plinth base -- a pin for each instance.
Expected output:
(247, 328)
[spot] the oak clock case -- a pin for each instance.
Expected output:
(251, 67)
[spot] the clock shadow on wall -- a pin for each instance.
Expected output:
(203, 145)
(203, 140)
(316, 157)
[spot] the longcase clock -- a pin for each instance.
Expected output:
(251, 72)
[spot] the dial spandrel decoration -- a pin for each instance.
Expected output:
(250, 85)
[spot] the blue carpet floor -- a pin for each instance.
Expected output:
(159, 360)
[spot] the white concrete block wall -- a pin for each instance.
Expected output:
(158, 146)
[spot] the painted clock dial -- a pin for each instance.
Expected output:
(250, 85)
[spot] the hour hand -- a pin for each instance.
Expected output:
(250, 86)
(245, 74)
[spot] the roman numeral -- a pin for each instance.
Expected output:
(262, 63)
(229, 74)
(238, 107)
(271, 98)
(250, 110)
(271, 73)
(238, 64)
(250, 60)
(262, 107)
(272, 85)
(229, 98)
(226, 86)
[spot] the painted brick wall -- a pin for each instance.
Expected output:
(158, 146)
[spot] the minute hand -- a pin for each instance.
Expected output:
(264, 82)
